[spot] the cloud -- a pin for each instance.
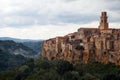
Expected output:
(113, 5)
(75, 18)
(47, 31)
(26, 14)
(45, 12)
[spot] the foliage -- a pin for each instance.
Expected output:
(62, 70)
(11, 47)
(111, 77)
(13, 54)
(8, 61)
(63, 66)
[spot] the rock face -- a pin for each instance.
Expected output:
(87, 44)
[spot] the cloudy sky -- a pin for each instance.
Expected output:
(44, 19)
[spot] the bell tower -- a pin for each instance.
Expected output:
(103, 21)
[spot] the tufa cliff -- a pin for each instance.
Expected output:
(87, 44)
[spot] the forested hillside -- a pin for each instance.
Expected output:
(13, 54)
(62, 70)
(8, 60)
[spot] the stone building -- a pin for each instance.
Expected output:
(100, 44)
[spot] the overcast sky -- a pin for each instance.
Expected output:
(44, 19)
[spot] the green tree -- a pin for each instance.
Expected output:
(111, 77)
(63, 66)
(44, 64)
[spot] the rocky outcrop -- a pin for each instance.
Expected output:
(87, 44)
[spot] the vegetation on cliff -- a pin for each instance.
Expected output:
(62, 70)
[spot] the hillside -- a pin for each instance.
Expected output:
(8, 60)
(17, 39)
(16, 48)
(13, 54)
(35, 45)
(62, 70)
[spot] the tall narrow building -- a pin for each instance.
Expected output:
(103, 21)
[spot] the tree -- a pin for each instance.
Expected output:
(111, 77)
(44, 64)
(63, 66)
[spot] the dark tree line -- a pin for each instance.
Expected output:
(62, 70)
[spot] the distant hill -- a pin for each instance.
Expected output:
(35, 45)
(8, 60)
(17, 48)
(13, 54)
(17, 40)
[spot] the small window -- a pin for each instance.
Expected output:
(81, 41)
(101, 20)
(111, 56)
(72, 36)
(118, 61)
(60, 50)
(105, 53)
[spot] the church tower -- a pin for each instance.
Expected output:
(103, 21)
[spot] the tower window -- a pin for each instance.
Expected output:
(101, 20)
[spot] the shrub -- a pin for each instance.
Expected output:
(63, 66)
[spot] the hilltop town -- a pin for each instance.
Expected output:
(100, 44)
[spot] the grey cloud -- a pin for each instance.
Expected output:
(19, 18)
(14, 22)
(70, 0)
(43, 19)
(75, 18)
(115, 8)
(114, 5)
(30, 15)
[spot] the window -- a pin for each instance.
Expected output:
(101, 20)
(111, 56)
(72, 36)
(105, 53)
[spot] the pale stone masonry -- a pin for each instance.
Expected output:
(87, 44)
